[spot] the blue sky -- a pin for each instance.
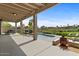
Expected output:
(60, 14)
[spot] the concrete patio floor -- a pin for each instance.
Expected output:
(40, 47)
(8, 47)
(20, 45)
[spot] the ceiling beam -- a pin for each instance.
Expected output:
(19, 5)
(31, 5)
(9, 12)
(6, 19)
(39, 4)
(11, 7)
(15, 8)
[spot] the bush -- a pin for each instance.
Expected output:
(61, 33)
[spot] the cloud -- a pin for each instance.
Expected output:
(52, 22)
(47, 23)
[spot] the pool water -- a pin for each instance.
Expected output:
(47, 38)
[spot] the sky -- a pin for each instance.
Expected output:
(60, 14)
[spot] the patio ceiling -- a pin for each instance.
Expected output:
(19, 11)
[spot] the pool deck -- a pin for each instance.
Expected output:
(40, 47)
(22, 45)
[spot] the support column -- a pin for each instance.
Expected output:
(21, 25)
(35, 27)
(0, 26)
(15, 27)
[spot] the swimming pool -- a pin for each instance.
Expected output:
(47, 38)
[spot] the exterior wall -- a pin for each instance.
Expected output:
(70, 43)
(0, 27)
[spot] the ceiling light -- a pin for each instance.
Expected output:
(14, 14)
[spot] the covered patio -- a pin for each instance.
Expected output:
(19, 45)
(16, 12)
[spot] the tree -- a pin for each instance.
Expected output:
(6, 26)
(30, 24)
(43, 27)
(57, 26)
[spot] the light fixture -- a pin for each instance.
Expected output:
(14, 14)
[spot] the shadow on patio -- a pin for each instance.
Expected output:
(26, 43)
(8, 47)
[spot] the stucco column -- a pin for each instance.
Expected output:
(15, 27)
(35, 27)
(0, 26)
(21, 25)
